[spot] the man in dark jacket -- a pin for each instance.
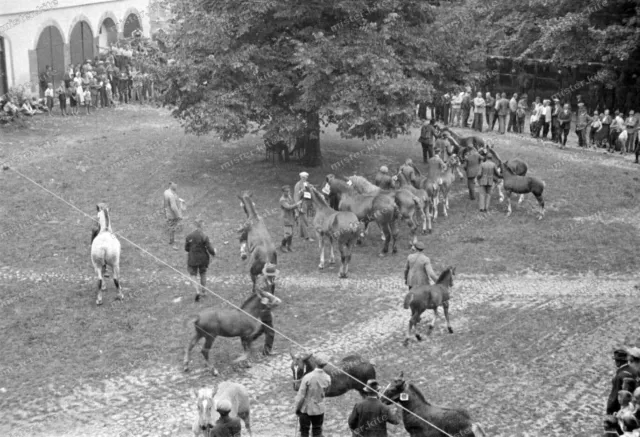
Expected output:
(225, 426)
(491, 111)
(427, 134)
(199, 248)
(289, 211)
(472, 168)
(370, 416)
(624, 379)
(266, 282)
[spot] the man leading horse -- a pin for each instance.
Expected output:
(266, 282)
(418, 270)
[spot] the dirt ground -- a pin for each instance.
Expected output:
(538, 306)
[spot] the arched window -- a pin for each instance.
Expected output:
(130, 24)
(50, 52)
(108, 34)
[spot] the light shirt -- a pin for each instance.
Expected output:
(310, 397)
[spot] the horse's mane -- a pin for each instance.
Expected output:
(320, 198)
(363, 184)
(443, 275)
(417, 392)
(107, 219)
(341, 184)
(250, 300)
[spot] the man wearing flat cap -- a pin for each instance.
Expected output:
(370, 416)
(301, 193)
(427, 135)
(486, 180)
(289, 212)
(383, 179)
(409, 172)
(199, 247)
(624, 379)
(225, 426)
(266, 281)
(418, 270)
(310, 407)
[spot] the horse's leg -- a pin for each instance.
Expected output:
(541, 203)
(386, 238)
(433, 322)
(500, 185)
(435, 205)
(395, 231)
(245, 416)
(321, 266)
(427, 215)
(246, 346)
(205, 352)
(116, 279)
(509, 203)
(101, 283)
(332, 260)
(445, 308)
(343, 260)
(445, 203)
(411, 326)
(520, 199)
(187, 352)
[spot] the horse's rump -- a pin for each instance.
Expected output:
(237, 394)
(428, 296)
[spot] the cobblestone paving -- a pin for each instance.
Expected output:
(513, 362)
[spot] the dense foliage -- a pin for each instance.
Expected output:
(287, 65)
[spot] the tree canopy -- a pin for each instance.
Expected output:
(287, 65)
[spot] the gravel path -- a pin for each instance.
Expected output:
(157, 401)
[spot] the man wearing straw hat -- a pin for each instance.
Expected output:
(309, 401)
(199, 248)
(267, 282)
(370, 416)
(300, 193)
(173, 211)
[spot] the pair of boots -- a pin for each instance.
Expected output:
(285, 246)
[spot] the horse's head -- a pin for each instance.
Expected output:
(446, 277)
(395, 390)
(205, 406)
(244, 237)
(103, 217)
(269, 300)
(300, 366)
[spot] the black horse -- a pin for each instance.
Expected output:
(354, 375)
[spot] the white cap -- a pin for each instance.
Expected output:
(304, 174)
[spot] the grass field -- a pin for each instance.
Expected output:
(54, 336)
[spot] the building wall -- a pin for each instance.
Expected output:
(22, 23)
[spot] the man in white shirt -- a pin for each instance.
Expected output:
(300, 193)
(310, 407)
(172, 212)
(478, 112)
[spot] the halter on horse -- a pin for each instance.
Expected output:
(105, 251)
(255, 241)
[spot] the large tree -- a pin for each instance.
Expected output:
(285, 66)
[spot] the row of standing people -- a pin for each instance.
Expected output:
(623, 405)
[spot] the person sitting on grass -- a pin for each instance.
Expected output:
(26, 108)
(11, 107)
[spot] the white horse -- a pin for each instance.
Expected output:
(105, 251)
(208, 399)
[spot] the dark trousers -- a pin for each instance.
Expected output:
(512, 122)
(521, 124)
(267, 318)
(477, 122)
(495, 120)
(445, 114)
(124, 91)
(501, 122)
(581, 140)
(465, 118)
(313, 423)
(564, 132)
(545, 129)
(613, 139)
(427, 151)
(555, 131)
(471, 184)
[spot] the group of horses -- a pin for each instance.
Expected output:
(345, 207)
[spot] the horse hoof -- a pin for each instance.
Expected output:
(343, 276)
(321, 267)
(450, 330)
(119, 297)
(332, 263)
(214, 372)
(394, 251)
(418, 337)
(99, 302)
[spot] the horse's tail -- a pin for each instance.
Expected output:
(477, 430)
(407, 300)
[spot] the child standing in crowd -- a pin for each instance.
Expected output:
(94, 92)
(79, 91)
(48, 94)
(62, 98)
(73, 103)
(109, 93)
(87, 100)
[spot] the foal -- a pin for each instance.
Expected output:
(105, 251)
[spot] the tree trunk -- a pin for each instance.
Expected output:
(310, 141)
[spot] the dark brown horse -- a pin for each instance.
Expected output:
(514, 183)
(353, 365)
(431, 420)
(430, 297)
(425, 201)
(465, 142)
(340, 226)
(379, 208)
(225, 322)
(255, 241)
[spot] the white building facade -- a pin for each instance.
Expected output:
(37, 33)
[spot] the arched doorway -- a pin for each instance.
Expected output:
(108, 34)
(130, 24)
(3, 69)
(50, 51)
(81, 43)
